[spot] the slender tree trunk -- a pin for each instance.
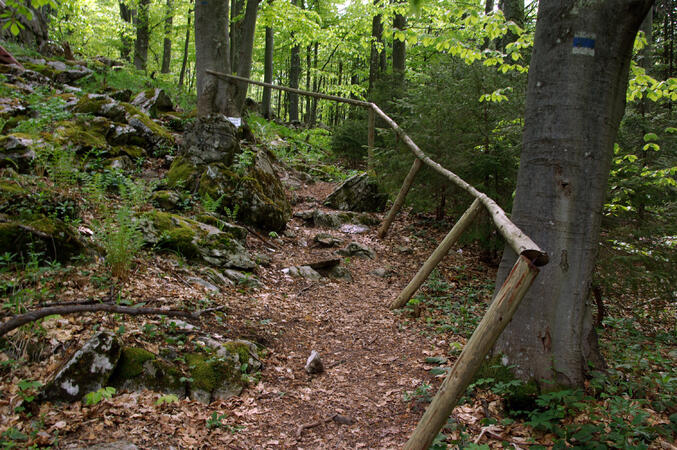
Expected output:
(489, 6)
(185, 49)
(127, 15)
(399, 53)
(245, 51)
(142, 35)
(167, 43)
(513, 10)
(376, 50)
(294, 75)
(313, 105)
(268, 71)
(571, 121)
(309, 61)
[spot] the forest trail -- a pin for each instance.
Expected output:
(370, 359)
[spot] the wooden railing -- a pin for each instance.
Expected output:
(508, 297)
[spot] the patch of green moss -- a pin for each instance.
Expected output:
(240, 349)
(80, 136)
(40, 234)
(519, 397)
(176, 233)
(10, 188)
(158, 130)
(131, 362)
(133, 151)
(208, 375)
(89, 105)
(182, 172)
(41, 69)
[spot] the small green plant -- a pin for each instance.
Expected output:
(231, 214)
(273, 235)
(94, 398)
(215, 420)
(167, 399)
(27, 391)
(122, 240)
(422, 394)
(211, 205)
(244, 161)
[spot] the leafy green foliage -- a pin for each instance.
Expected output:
(94, 398)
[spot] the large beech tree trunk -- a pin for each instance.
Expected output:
(244, 52)
(212, 51)
(575, 100)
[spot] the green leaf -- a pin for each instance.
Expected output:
(650, 137)
(14, 28)
(436, 360)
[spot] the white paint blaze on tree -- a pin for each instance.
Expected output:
(575, 101)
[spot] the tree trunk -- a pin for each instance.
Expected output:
(575, 100)
(127, 15)
(399, 53)
(294, 75)
(513, 10)
(167, 43)
(313, 106)
(236, 27)
(142, 36)
(244, 58)
(376, 50)
(309, 61)
(212, 51)
(185, 50)
(268, 72)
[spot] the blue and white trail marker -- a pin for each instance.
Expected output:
(584, 44)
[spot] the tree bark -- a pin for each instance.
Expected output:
(185, 49)
(376, 49)
(513, 10)
(236, 29)
(268, 71)
(212, 51)
(167, 43)
(294, 75)
(575, 100)
(399, 53)
(127, 14)
(245, 52)
(142, 35)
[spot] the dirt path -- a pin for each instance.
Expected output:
(371, 360)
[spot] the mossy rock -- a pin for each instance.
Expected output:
(133, 151)
(23, 203)
(172, 232)
(166, 199)
(138, 369)
(155, 133)
(100, 105)
(82, 137)
(214, 378)
(49, 236)
(183, 173)
(42, 69)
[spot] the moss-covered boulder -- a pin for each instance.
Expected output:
(138, 369)
(83, 135)
(23, 201)
(88, 370)
(149, 130)
(211, 139)
(48, 236)
(166, 200)
(218, 377)
(101, 105)
(195, 240)
(335, 219)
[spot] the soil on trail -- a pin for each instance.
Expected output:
(372, 356)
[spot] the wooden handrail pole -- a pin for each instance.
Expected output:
(371, 137)
(487, 332)
(437, 256)
(399, 201)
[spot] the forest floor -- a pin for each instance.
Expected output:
(376, 377)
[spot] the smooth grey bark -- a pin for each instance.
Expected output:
(268, 72)
(513, 10)
(575, 101)
(294, 75)
(182, 74)
(142, 35)
(167, 42)
(212, 52)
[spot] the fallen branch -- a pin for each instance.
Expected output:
(32, 316)
(262, 239)
(338, 418)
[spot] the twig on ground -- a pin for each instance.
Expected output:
(262, 239)
(31, 316)
(307, 288)
(338, 418)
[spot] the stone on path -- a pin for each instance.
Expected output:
(314, 363)
(357, 249)
(357, 193)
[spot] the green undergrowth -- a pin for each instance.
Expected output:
(306, 149)
(631, 404)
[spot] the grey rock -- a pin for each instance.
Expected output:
(336, 219)
(241, 278)
(350, 228)
(122, 134)
(122, 163)
(358, 193)
(357, 249)
(167, 200)
(114, 445)
(138, 370)
(327, 240)
(153, 101)
(314, 363)
(302, 272)
(17, 152)
(339, 273)
(211, 139)
(203, 283)
(10, 107)
(404, 250)
(324, 264)
(88, 370)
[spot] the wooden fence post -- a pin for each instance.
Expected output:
(399, 201)
(495, 320)
(437, 256)
(371, 137)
